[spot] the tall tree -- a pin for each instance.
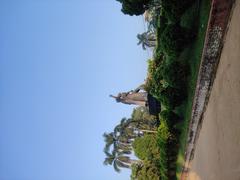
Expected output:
(142, 114)
(147, 39)
(113, 159)
(118, 145)
(119, 160)
(134, 7)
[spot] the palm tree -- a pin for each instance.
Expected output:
(117, 140)
(109, 140)
(118, 160)
(147, 39)
(116, 143)
(124, 130)
(113, 159)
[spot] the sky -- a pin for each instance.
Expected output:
(59, 61)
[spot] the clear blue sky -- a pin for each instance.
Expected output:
(59, 61)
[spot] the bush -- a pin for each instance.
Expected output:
(153, 82)
(162, 24)
(172, 97)
(175, 74)
(172, 40)
(145, 171)
(172, 157)
(168, 140)
(188, 19)
(170, 117)
(175, 8)
(163, 136)
(146, 148)
(158, 54)
(167, 82)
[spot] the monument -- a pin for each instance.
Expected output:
(135, 97)
(139, 97)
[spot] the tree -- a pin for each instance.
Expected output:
(116, 160)
(145, 171)
(146, 147)
(134, 7)
(118, 145)
(173, 9)
(142, 114)
(147, 39)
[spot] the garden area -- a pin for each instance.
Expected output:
(153, 146)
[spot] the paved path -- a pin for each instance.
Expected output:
(217, 154)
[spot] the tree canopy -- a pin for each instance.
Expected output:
(146, 147)
(119, 143)
(146, 171)
(134, 7)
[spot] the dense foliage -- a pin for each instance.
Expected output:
(174, 9)
(188, 19)
(167, 82)
(146, 171)
(134, 7)
(171, 117)
(175, 74)
(172, 40)
(146, 147)
(163, 136)
(119, 143)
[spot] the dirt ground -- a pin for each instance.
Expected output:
(217, 154)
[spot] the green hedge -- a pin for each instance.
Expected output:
(145, 171)
(171, 117)
(188, 19)
(172, 40)
(146, 147)
(175, 74)
(174, 9)
(172, 97)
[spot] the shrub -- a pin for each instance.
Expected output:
(175, 8)
(163, 136)
(188, 19)
(172, 157)
(172, 97)
(162, 24)
(146, 148)
(170, 117)
(145, 171)
(158, 54)
(175, 74)
(172, 40)
(168, 140)
(153, 82)
(167, 82)
(152, 66)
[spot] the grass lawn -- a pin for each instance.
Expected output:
(192, 55)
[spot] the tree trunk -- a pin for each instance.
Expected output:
(148, 131)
